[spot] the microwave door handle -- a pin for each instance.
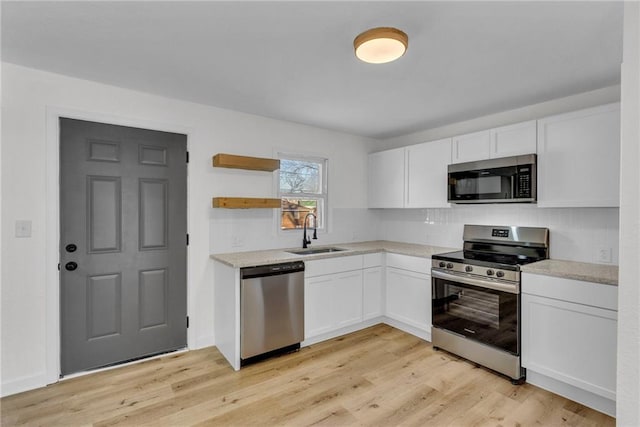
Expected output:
(513, 194)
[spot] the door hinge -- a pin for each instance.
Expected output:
(187, 157)
(187, 239)
(187, 322)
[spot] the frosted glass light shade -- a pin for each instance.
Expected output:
(381, 45)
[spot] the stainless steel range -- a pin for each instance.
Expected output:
(476, 295)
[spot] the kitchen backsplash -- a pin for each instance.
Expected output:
(576, 234)
(238, 230)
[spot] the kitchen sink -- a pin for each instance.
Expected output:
(313, 251)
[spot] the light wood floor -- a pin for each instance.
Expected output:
(379, 376)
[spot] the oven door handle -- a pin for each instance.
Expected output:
(512, 288)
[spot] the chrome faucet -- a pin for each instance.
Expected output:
(305, 240)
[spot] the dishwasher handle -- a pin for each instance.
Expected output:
(271, 269)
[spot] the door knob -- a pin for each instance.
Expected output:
(71, 247)
(70, 266)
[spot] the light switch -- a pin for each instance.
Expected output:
(23, 228)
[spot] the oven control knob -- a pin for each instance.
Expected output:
(449, 265)
(489, 272)
(499, 273)
(442, 264)
(468, 269)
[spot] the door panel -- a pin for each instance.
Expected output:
(153, 214)
(103, 305)
(153, 298)
(127, 297)
(104, 216)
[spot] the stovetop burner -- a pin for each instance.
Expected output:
(494, 249)
(497, 260)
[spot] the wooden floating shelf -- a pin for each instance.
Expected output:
(245, 203)
(244, 162)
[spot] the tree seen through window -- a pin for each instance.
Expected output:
(302, 183)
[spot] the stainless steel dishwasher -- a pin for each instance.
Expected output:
(271, 310)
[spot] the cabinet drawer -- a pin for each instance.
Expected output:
(339, 264)
(576, 291)
(372, 260)
(410, 263)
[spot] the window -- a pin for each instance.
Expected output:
(303, 190)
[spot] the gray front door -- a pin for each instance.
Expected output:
(123, 218)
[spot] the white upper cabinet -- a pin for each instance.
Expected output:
(579, 158)
(471, 147)
(513, 140)
(426, 185)
(410, 177)
(386, 179)
(505, 141)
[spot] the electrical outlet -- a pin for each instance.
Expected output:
(23, 228)
(604, 255)
(237, 241)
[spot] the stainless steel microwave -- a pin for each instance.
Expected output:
(503, 180)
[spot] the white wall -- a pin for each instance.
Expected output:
(628, 388)
(28, 95)
(529, 112)
(1, 210)
(233, 230)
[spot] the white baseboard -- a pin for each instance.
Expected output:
(418, 332)
(342, 331)
(21, 384)
(204, 341)
(576, 394)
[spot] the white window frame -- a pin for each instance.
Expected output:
(324, 196)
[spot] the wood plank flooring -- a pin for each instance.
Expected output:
(379, 376)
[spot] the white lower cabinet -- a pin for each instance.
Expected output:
(332, 302)
(372, 292)
(372, 286)
(408, 294)
(348, 293)
(333, 298)
(569, 338)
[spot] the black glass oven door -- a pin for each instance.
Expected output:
(485, 315)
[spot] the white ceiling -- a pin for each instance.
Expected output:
(294, 60)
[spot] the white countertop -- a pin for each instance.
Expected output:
(274, 256)
(596, 273)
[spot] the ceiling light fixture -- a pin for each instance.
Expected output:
(380, 45)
